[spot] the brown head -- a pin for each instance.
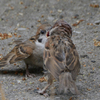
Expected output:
(41, 33)
(61, 26)
(42, 29)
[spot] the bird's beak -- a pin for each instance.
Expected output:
(47, 34)
(52, 30)
(48, 31)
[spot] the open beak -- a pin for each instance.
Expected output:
(47, 34)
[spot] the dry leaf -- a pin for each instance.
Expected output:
(88, 89)
(37, 88)
(96, 43)
(2, 48)
(25, 7)
(9, 35)
(23, 79)
(15, 28)
(42, 15)
(84, 65)
(21, 2)
(26, 84)
(1, 34)
(90, 24)
(93, 68)
(42, 79)
(77, 23)
(5, 35)
(39, 20)
(94, 5)
(12, 8)
(51, 11)
(15, 34)
(89, 52)
(19, 36)
(14, 63)
(70, 98)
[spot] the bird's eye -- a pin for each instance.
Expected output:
(43, 31)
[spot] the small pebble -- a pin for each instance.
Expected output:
(21, 29)
(59, 10)
(93, 61)
(97, 22)
(84, 56)
(18, 81)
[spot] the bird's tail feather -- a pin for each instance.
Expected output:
(67, 83)
(6, 60)
(3, 63)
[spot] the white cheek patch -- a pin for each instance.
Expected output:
(42, 43)
(39, 44)
(44, 39)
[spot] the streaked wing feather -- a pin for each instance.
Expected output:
(54, 61)
(18, 41)
(65, 60)
(21, 52)
(18, 53)
(54, 66)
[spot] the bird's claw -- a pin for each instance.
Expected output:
(30, 75)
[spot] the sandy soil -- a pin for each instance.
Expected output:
(23, 16)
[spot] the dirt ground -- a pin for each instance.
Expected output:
(21, 18)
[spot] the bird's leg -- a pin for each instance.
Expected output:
(27, 72)
(50, 81)
(44, 89)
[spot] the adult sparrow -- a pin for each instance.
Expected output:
(61, 59)
(31, 50)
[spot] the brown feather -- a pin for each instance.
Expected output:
(61, 58)
(18, 53)
(31, 50)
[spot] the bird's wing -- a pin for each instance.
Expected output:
(18, 41)
(54, 57)
(72, 58)
(18, 53)
(59, 56)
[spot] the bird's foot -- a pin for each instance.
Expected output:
(30, 75)
(41, 92)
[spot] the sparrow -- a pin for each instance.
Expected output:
(61, 60)
(31, 50)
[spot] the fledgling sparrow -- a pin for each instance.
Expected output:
(61, 59)
(31, 51)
